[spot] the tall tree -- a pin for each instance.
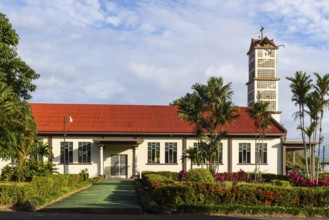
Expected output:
(9, 103)
(14, 72)
(26, 132)
(262, 120)
(322, 88)
(209, 108)
(17, 126)
(300, 86)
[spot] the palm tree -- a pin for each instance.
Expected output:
(300, 87)
(193, 154)
(210, 109)
(309, 132)
(322, 88)
(17, 126)
(262, 119)
(26, 132)
(314, 108)
(8, 111)
(190, 109)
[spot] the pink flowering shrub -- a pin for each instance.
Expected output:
(182, 175)
(298, 180)
(234, 177)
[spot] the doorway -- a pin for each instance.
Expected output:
(119, 164)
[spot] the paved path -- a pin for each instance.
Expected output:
(109, 196)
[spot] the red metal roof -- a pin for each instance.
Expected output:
(126, 119)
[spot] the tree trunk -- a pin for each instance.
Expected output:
(302, 123)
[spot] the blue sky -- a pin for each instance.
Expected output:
(152, 51)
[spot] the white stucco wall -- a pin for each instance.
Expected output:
(3, 163)
(75, 167)
(274, 152)
(162, 166)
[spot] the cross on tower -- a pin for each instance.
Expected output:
(261, 32)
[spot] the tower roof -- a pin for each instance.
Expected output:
(264, 43)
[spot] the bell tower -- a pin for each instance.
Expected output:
(263, 81)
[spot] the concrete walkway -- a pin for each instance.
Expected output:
(109, 196)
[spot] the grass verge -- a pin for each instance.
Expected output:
(41, 202)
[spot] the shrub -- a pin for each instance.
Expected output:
(323, 175)
(7, 173)
(17, 173)
(234, 177)
(298, 180)
(13, 193)
(268, 177)
(283, 183)
(182, 175)
(168, 174)
(173, 193)
(199, 175)
(227, 209)
(27, 172)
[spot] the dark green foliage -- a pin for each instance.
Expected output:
(27, 172)
(283, 183)
(45, 185)
(323, 175)
(299, 160)
(167, 174)
(199, 175)
(13, 193)
(173, 193)
(16, 173)
(14, 72)
(17, 193)
(210, 109)
(46, 199)
(253, 210)
(268, 177)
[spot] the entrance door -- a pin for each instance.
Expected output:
(119, 163)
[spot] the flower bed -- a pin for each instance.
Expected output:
(174, 193)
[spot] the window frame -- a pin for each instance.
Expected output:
(84, 152)
(171, 152)
(153, 152)
(259, 151)
(244, 153)
(66, 154)
(219, 154)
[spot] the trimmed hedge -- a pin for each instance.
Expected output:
(167, 174)
(268, 177)
(173, 194)
(281, 183)
(13, 193)
(17, 193)
(254, 210)
(199, 175)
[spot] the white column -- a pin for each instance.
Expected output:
(135, 167)
(101, 160)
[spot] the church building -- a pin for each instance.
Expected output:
(114, 141)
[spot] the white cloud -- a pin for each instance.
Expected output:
(116, 21)
(151, 52)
